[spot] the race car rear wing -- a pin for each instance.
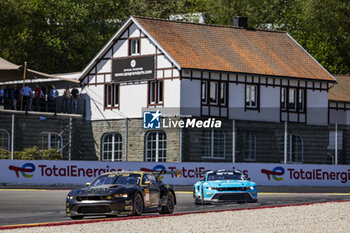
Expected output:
(177, 173)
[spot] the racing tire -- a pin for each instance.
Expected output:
(253, 201)
(137, 205)
(196, 200)
(77, 217)
(202, 202)
(170, 204)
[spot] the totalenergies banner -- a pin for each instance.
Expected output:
(79, 172)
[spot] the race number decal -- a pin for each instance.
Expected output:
(147, 199)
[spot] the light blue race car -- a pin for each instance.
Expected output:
(224, 186)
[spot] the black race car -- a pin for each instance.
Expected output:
(122, 193)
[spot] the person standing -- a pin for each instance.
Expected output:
(75, 98)
(7, 99)
(2, 96)
(37, 96)
(14, 97)
(65, 102)
(53, 96)
(27, 94)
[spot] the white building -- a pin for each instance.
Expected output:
(252, 80)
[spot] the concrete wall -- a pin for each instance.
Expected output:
(135, 137)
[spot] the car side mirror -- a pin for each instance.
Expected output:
(148, 183)
(88, 184)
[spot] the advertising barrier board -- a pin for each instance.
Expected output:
(45, 172)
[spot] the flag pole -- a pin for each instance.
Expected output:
(24, 79)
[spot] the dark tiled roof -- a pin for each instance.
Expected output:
(341, 90)
(224, 48)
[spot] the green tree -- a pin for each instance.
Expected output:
(63, 35)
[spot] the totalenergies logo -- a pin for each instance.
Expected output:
(277, 171)
(26, 168)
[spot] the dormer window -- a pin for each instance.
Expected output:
(134, 47)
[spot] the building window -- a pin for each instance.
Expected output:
(251, 96)
(293, 99)
(111, 95)
(52, 140)
(223, 92)
(213, 144)
(215, 92)
(283, 98)
(295, 148)
(292, 95)
(111, 147)
(250, 147)
(134, 47)
(4, 139)
(331, 142)
(204, 92)
(155, 142)
(155, 92)
(301, 100)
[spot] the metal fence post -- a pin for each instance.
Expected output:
(180, 145)
(70, 139)
(12, 135)
(126, 139)
(285, 142)
(336, 145)
(233, 141)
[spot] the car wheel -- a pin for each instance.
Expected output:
(138, 205)
(77, 217)
(202, 198)
(196, 200)
(170, 204)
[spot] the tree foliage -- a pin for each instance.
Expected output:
(63, 35)
(33, 153)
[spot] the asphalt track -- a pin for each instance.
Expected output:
(24, 206)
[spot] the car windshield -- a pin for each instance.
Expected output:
(225, 176)
(104, 179)
(128, 179)
(117, 179)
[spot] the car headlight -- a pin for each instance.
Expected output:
(71, 197)
(120, 195)
(250, 187)
(209, 188)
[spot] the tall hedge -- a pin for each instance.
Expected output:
(33, 153)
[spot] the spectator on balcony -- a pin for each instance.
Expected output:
(66, 99)
(53, 96)
(14, 97)
(7, 99)
(2, 96)
(75, 98)
(38, 95)
(27, 95)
